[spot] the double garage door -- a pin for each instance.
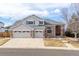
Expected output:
(27, 34)
(21, 34)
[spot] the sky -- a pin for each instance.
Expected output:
(12, 12)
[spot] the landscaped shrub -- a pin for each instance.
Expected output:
(77, 35)
(69, 34)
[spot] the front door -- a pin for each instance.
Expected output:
(58, 30)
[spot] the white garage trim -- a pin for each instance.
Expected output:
(39, 34)
(21, 34)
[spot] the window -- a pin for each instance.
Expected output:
(27, 31)
(49, 31)
(19, 31)
(15, 31)
(2, 27)
(30, 22)
(6, 30)
(40, 22)
(36, 31)
(24, 31)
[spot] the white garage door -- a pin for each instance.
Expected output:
(21, 34)
(39, 34)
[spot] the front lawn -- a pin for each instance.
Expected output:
(74, 43)
(3, 41)
(53, 42)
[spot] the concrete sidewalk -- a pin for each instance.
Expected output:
(34, 47)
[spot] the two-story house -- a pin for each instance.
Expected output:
(36, 27)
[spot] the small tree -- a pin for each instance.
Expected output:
(69, 33)
(75, 19)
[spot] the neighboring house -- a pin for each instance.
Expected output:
(73, 26)
(7, 28)
(36, 27)
(2, 27)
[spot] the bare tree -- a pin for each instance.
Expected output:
(75, 6)
(64, 12)
(76, 29)
(75, 18)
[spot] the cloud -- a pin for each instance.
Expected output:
(20, 10)
(43, 6)
(57, 11)
(21, 15)
(11, 9)
(17, 11)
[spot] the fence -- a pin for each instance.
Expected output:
(4, 34)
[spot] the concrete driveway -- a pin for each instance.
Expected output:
(24, 43)
(34, 47)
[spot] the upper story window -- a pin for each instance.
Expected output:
(30, 22)
(41, 22)
(2, 27)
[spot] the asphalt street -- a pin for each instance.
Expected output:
(37, 52)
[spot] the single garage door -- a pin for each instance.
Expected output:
(21, 34)
(39, 34)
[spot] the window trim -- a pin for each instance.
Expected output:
(48, 30)
(28, 22)
(42, 23)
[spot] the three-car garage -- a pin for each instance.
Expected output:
(27, 34)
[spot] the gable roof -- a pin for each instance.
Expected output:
(47, 21)
(53, 22)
